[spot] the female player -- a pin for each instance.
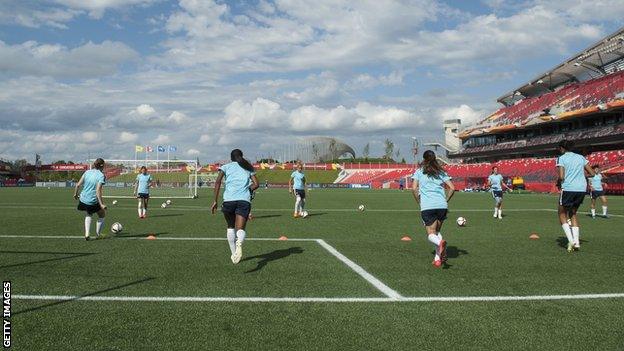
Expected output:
(142, 187)
(90, 199)
(298, 189)
(496, 184)
(433, 189)
(597, 191)
(240, 183)
(571, 168)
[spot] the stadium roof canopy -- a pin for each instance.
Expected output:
(602, 58)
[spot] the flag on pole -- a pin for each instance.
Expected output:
(173, 148)
(138, 148)
(161, 148)
(149, 149)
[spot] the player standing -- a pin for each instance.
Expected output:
(597, 191)
(496, 184)
(296, 186)
(240, 183)
(433, 189)
(141, 190)
(90, 199)
(571, 168)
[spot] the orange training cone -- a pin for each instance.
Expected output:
(151, 237)
(534, 236)
(406, 238)
(283, 238)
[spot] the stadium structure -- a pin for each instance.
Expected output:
(316, 149)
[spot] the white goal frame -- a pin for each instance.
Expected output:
(191, 184)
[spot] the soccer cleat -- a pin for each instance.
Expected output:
(437, 263)
(606, 216)
(570, 247)
(577, 247)
(500, 216)
(87, 238)
(495, 215)
(443, 250)
(238, 254)
(296, 215)
(233, 258)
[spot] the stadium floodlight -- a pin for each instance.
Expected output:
(577, 64)
(540, 82)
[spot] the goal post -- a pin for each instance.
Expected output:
(171, 179)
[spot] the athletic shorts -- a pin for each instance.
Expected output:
(597, 193)
(90, 209)
(300, 193)
(143, 195)
(241, 208)
(571, 199)
(497, 194)
(430, 216)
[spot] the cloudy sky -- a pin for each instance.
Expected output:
(96, 77)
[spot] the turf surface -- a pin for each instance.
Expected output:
(487, 258)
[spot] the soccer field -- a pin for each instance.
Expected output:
(343, 279)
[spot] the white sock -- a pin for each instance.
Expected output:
(500, 212)
(144, 212)
(496, 211)
(231, 236)
(434, 239)
(87, 225)
(440, 236)
(604, 210)
(99, 225)
(297, 204)
(240, 235)
(140, 208)
(576, 235)
(302, 204)
(593, 212)
(568, 232)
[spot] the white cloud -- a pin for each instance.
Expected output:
(367, 81)
(97, 8)
(127, 137)
(144, 110)
(261, 113)
(85, 61)
(467, 114)
(89, 137)
(193, 152)
(206, 139)
(162, 139)
(24, 13)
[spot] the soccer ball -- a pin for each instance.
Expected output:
(114, 202)
(168, 202)
(304, 214)
(163, 205)
(361, 208)
(116, 228)
(461, 221)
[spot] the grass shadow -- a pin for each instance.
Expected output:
(316, 214)
(267, 216)
(129, 235)
(167, 215)
(67, 256)
(562, 241)
(272, 256)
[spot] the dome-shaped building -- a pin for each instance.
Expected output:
(322, 149)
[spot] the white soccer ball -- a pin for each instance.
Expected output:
(168, 202)
(461, 221)
(163, 205)
(116, 228)
(361, 208)
(114, 202)
(304, 214)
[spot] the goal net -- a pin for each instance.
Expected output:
(170, 179)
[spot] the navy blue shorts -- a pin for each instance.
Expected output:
(300, 193)
(241, 208)
(597, 193)
(497, 193)
(90, 209)
(143, 196)
(430, 216)
(571, 199)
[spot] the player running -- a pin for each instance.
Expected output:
(90, 199)
(142, 187)
(240, 183)
(296, 186)
(433, 189)
(496, 184)
(571, 168)
(596, 187)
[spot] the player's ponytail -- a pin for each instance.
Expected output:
(98, 164)
(237, 156)
(430, 165)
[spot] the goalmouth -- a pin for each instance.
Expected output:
(171, 179)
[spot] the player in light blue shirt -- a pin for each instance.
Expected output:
(496, 184)
(90, 198)
(296, 186)
(142, 187)
(240, 183)
(597, 191)
(571, 168)
(432, 189)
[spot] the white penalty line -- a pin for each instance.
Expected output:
(192, 299)
(145, 237)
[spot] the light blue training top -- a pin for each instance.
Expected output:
(496, 181)
(596, 182)
(299, 180)
(237, 182)
(91, 179)
(144, 181)
(431, 190)
(574, 175)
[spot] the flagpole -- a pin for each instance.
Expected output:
(157, 158)
(168, 149)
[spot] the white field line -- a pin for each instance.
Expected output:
(143, 238)
(386, 290)
(320, 299)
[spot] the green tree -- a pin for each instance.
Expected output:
(388, 148)
(366, 151)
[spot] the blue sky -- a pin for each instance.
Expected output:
(97, 77)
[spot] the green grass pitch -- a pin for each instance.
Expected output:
(331, 305)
